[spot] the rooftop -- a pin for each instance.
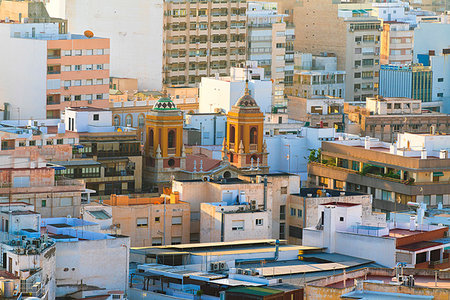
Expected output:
(86, 108)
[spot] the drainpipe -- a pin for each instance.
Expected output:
(222, 227)
(265, 192)
(214, 133)
(277, 245)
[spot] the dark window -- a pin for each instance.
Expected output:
(96, 117)
(150, 138)
(440, 79)
(295, 232)
(341, 219)
(282, 212)
(171, 162)
(44, 203)
(253, 136)
(171, 139)
(156, 219)
(232, 133)
(227, 174)
(282, 231)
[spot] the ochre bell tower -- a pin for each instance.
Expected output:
(245, 146)
(164, 150)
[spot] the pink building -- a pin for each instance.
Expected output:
(49, 69)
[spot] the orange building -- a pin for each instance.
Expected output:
(163, 220)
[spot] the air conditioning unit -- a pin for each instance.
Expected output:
(358, 43)
(222, 265)
(216, 266)
(253, 204)
(212, 266)
(248, 272)
(89, 101)
(239, 271)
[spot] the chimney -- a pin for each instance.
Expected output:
(412, 223)
(443, 154)
(423, 153)
(367, 142)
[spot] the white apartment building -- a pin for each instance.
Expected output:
(212, 127)
(221, 93)
(135, 31)
(397, 41)
(227, 222)
(270, 44)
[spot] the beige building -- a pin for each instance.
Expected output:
(396, 43)
(202, 38)
(345, 30)
(384, 118)
(321, 111)
(151, 221)
(220, 222)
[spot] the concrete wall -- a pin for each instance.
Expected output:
(430, 36)
(23, 76)
(102, 264)
(135, 29)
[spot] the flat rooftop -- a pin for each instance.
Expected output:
(424, 281)
(86, 108)
(399, 233)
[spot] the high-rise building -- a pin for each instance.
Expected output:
(202, 38)
(396, 43)
(270, 43)
(58, 69)
(410, 81)
(353, 35)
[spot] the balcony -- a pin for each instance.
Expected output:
(54, 53)
(121, 173)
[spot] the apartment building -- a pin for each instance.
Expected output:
(317, 75)
(396, 43)
(63, 70)
(202, 38)
(26, 178)
(409, 81)
(270, 43)
(318, 111)
(415, 168)
(156, 221)
(355, 40)
(384, 118)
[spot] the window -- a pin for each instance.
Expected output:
(67, 53)
(77, 52)
(99, 96)
(237, 225)
(176, 240)
(282, 212)
(32, 143)
(259, 222)
(77, 97)
(67, 83)
(66, 201)
(439, 198)
(67, 98)
(176, 220)
(96, 117)
(253, 136)
(299, 213)
(157, 219)
(171, 139)
(141, 222)
(59, 141)
(49, 142)
(77, 67)
(88, 81)
(440, 80)
(77, 82)
(43, 203)
(397, 106)
(67, 68)
(89, 52)
(99, 67)
(156, 241)
(357, 50)
(89, 67)
(341, 219)
(99, 81)
(88, 97)
(293, 212)
(295, 232)
(141, 120)
(386, 195)
(100, 51)
(357, 75)
(282, 230)
(426, 199)
(440, 94)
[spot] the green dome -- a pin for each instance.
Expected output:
(164, 103)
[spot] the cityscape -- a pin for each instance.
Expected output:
(225, 149)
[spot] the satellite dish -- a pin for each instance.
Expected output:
(89, 34)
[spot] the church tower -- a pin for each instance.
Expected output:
(245, 146)
(164, 150)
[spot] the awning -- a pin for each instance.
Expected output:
(438, 174)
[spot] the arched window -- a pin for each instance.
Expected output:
(129, 120)
(116, 120)
(141, 120)
(232, 134)
(253, 136)
(151, 135)
(171, 139)
(227, 174)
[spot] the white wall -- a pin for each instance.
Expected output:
(431, 36)
(440, 65)
(207, 127)
(134, 27)
(23, 75)
(222, 94)
(99, 263)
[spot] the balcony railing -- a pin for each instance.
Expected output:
(119, 173)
